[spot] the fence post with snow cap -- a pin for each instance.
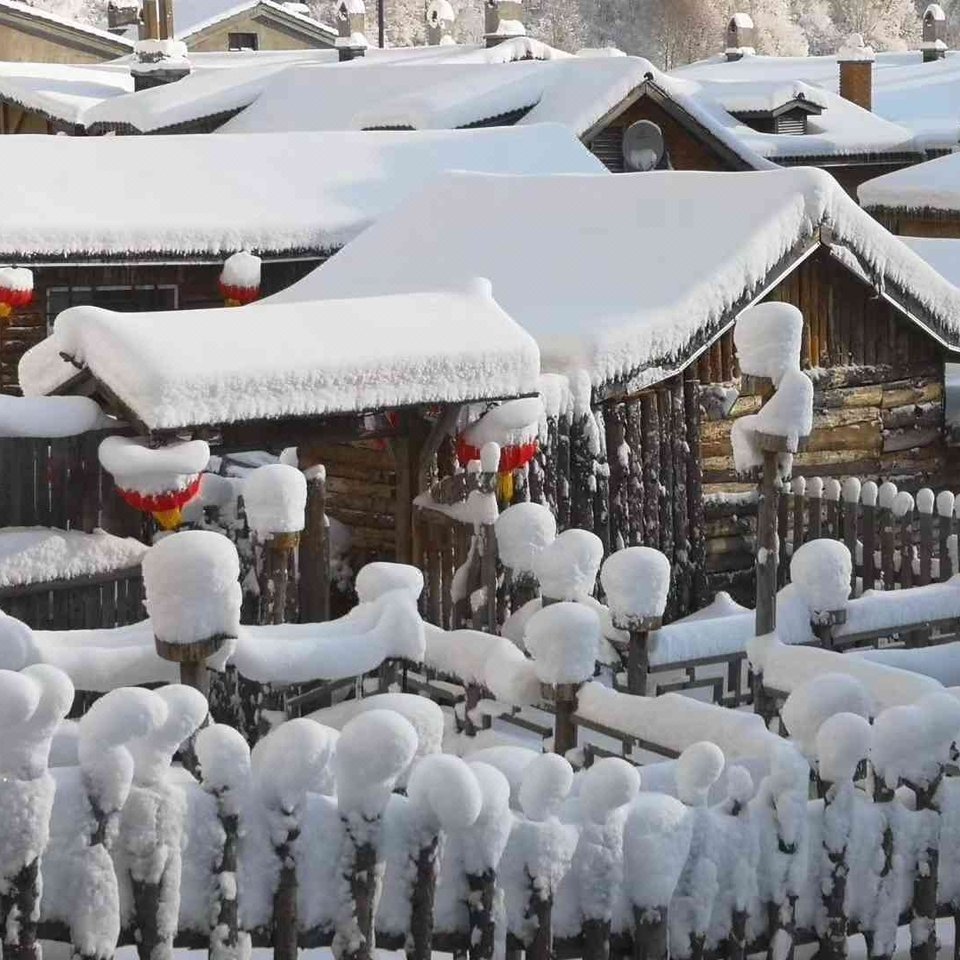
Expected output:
(563, 640)
(814, 508)
(193, 597)
(522, 531)
(373, 750)
(224, 759)
(831, 494)
(33, 704)
(902, 508)
(885, 497)
(275, 499)
(290, 761)
(850, 492)
(925, 504)
(314, 558)
(945, 503)
(822, 571)
(636, 582)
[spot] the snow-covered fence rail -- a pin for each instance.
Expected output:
(727, 857)
(899, 540)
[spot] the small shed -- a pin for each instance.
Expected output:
(33, 34)
(222, 25)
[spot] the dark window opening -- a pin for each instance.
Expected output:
(138, 299)
(243, 41)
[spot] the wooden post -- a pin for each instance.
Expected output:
(678, 501)
(638, 653)
(279, 553)
(650, 428)
(564, 480)
(582, 476)
(564, 698)
(851, 535)
(635, 490)
(695, 513)
(650, 934)
(618, 458)
(923, 911)
(488, 563)
(22, 914)
(314, 558)
(226, 932)
(925, 503)
(480, 908)
(831, 494)
(868, 534)
(887, 536)
(420, 940)
(766, 561)
(540, 905)
(945, 507)
(192, 658)
(815, 508)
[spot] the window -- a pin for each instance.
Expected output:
(135, 299)
(243, 41)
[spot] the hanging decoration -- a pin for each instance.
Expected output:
(157, 480)
(514, 426)
(240, 279)
(16, 289)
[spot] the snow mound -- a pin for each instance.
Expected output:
(224, 757)
(656, 842)
(192, 586)
(768, 338)
(522, 531)
(789, 412)
(445, 790)
(275, 499)
(563, 639)
(636, 581)
(609, 784)
(822, 570)
(380, 577)
(843, 740)
(49, 416)
(292, 760)
(137, 466)
(545, 785)
(698, 769)
(567, 568)
(814, 702)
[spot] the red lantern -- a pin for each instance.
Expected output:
(165, 506)
(240, 279)
(16, 289)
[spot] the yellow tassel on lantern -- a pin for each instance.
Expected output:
(505, 487)
(168, 519)
(5, 310)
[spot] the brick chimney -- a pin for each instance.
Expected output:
(351, 29)
(855, 59)
(440, 19)
(502, 20)
(740, 38)
(934, 43)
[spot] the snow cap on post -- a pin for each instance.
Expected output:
(852, 489)
(789, 412)
(563, 640)
(292, 760)
(522, 531)
(374, 750)
(19, 697)
(240, 278)
(224, 757)
(821, 571)
(567, 567)
(698, 768)
(544, 786)
(445, 792)
(656, 843)
(843, 740)
(152, 754)
(902, 504)
(768, 339)
(483, 843)
(886, 494)
(945, 503)
(192, 585)
(818, 699)
(381, 576)
(609, 784)
(25, 751)
(869, 493)
(636, 581)
(900, 747)
(275, 499)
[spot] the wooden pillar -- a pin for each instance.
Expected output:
(279, 559)
(766, 561)
(564, 697)
(650, 429)
(851, 537)
(650, 934)
(618, 459)
(638, 653)
(678, 502)
(635, 490)
(420, 940)
(406, 453)
(582, 477)
(695, 512)
(564, 480)
(868, 534)
(314, 560)
(192, 658)
(601, 493)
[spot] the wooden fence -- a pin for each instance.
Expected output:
(18, 333)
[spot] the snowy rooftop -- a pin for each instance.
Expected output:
(934, 184)
(39, 13)
(922, 97)
(192, 16)
(631, 271)
(331, 357)
(942, 253)
(301, 191)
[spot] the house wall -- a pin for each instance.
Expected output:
(918, 223)
(24, 38)
(852, 175)
(878, 409)
(15, 119)
(271, 36)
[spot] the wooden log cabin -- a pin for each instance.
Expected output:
(109, 243)
(631, 294)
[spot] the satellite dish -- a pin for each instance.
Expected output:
(643, 147)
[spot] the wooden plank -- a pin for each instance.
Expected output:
(925, 527)
(650, 429)
(695, 504)
(666, 487)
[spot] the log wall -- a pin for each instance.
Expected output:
(878, 409)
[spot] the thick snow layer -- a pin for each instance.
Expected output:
(567, 567)
(380, 577)
(698, 768)
(932, 185)
(607, 785)
(522, 531)
(942, 662)
(192, 587)
(322, 358)
(813, 702)
(275, 499)
(789, 412)
(224, 757)
(636, 581)
(878, 609)
(648, 313)
(135, 465)
(563, 639)
(227, 206)
(512, 423)
(242, 270)
(445, 792)
(193, 16)
(821, 570)
(676, 722)
(372, 632)
(292, 759)
(544, 786)
(656, 843)
(787, 667)
(768, 339)
(842, 742)
(373, 751)
(492, 662)
(49, 416)
(41, 554)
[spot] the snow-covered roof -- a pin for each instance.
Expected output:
(922, 97)
(932, 185)
(942, 253)
(267, 360)
(464, 89)
(193, 16)
(271, 193)
(631, 273)
(103, 36)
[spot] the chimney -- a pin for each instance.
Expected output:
(440, 18)
(503, 19)
(158, 62)
(740, 39)
(122, 14)
(934, 43)
(856, 71)
(351, 29)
